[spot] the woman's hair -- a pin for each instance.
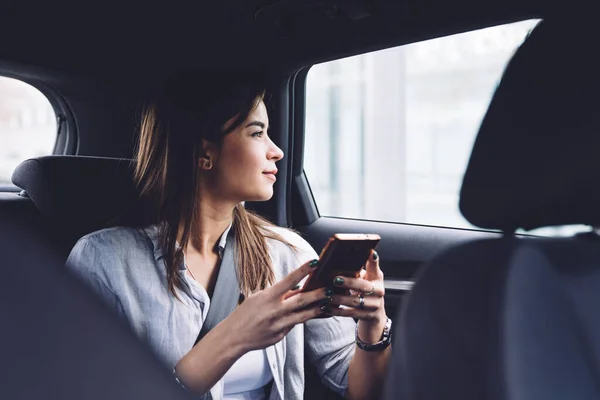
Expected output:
(188, 109)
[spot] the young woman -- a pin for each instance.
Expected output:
(203, 150)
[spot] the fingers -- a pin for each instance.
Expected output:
(290, 282)
(351, 312)
(302, 316)
(372, 266)
(370, 303)
(292, 292)
(303, 300)
(302, 307)
(360, 285)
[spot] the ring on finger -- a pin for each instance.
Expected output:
(370, 292)
(361, 303)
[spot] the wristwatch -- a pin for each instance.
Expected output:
(179, 381)
(386, 339)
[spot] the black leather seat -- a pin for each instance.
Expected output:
(516, 318)
(58, 342)
(67, 197)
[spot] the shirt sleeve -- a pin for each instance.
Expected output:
(329, 344)
(89, 263)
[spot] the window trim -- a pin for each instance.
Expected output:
(67, 138)
(303, 206)
(10, 189)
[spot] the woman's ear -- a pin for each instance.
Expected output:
(209, 155)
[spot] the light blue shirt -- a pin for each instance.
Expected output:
(125, 266)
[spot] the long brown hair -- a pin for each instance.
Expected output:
(187, 110)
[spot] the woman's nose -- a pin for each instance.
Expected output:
(275, 153)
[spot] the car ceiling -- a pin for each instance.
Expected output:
(102, 58)
(136, 41)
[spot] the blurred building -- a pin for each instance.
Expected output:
(389, 133)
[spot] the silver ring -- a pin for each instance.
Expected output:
(361, 305)
(371, 291)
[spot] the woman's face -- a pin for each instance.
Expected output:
(244, 169)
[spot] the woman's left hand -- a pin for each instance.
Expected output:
(370, 288)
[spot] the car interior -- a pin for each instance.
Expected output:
(470, 301)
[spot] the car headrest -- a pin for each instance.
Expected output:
(535, 161)
(82, 191)
(85, 351)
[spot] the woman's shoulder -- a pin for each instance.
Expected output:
(116, 238)
(109, 248)
(292, 239)
(289, 250)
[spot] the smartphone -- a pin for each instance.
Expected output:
(345, 254)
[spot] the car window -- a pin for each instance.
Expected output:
(388, 134)
(27, 125)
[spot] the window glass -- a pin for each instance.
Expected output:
(27, 125)
(389, 133)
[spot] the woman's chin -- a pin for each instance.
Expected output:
(264, 195)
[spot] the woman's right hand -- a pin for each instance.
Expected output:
(262, 320)
(265, 317)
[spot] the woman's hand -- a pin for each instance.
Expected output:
(261, 320)
(370, 311)
(265, 317)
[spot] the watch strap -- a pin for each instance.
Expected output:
(386, 339)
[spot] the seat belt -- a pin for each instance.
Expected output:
(226, 295)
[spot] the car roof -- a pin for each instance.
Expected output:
(139, 41)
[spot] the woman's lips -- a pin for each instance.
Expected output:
(271, 174)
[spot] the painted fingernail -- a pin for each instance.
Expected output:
(328, 292)
(325, 310)
(313, 263)
(325, 301)
(375, 255)
(338, 281)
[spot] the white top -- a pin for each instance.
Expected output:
(247, 377)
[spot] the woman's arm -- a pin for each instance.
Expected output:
(221, 348)
(367, 369)
(262, 320)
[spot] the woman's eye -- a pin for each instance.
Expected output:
(257, 134)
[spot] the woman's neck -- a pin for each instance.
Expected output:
(207, 230)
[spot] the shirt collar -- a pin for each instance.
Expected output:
(223, 241)
(153, 234)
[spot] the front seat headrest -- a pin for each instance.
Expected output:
(74, 347)
(535, 161)
(81, 191)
